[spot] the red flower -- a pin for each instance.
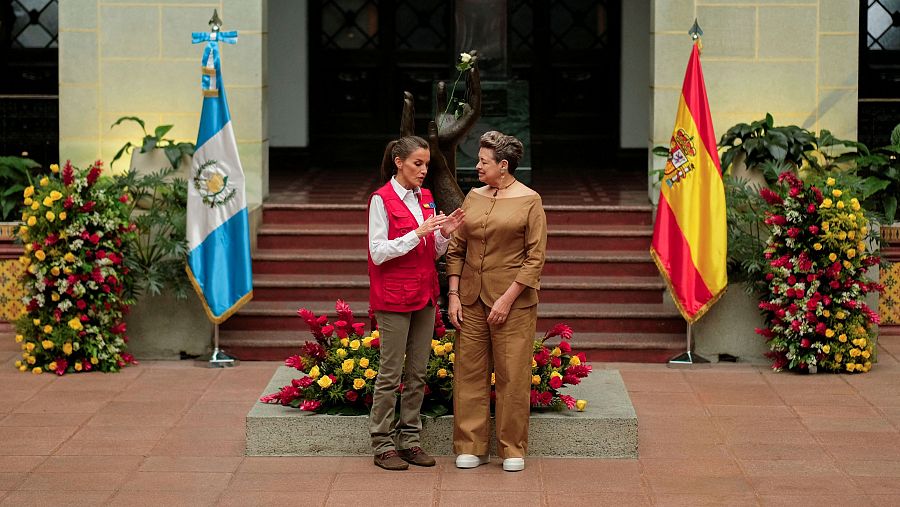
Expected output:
(565, 347)
(294, 362)
(94, 173)
(302, 382)
(813, 229)
(119, 328)
(359, 328)
(327, 330)
(123, 198)
(555, 382)
(546, 398)
(770, 197)
(343, 310)
(555, 362)
(68, 174)
(568, 400)
(310, 405)
(351, 396)
(535, 397)
(61, 365)
(376, 343)
(805, 343)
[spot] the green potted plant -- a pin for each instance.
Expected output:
(156, 151)
(15, 175)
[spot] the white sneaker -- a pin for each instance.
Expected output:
(471, 460)
(513, 464)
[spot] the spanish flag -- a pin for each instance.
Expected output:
(690, 237)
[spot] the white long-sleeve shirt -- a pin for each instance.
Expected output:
(383, 249)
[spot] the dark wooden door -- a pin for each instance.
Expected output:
(365, 53)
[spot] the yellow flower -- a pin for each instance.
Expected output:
(47, 345)
(51, 366)
(830, 182)
(314, 372)
(36, 322)
(54, 168)
(535, 379)
(817, 246)
(533, 363)
(19, 338)
(348, 365)
(854, 352)
(47, 202)
(24, 367)
(842, 338)
(345, 342)
(848, 265)
(50, 216)
(67, 348)
(842, 235)
(324, 382)
(829, 333)
(37, 370)
(341, 353)
(851, 235)
(493, 378)
(865, 354)
(35, 205)
(27, 201)
(358, 383)
(836, 192)
(448, 347)
(850, 366)
(75, 323)
(434, 343)
(867, 366)
(45, 181)
(69, 257)
(452, 357)
(838, 357)
(826, 204)
(555, 374)
(861, 246)
(367, 342)
(31, 221)
(580, 404)
(54, 271)
(439, 351)
(62, 215)
(442, 373)
(354, 345)
(28, 191)
(364, 362)
(555, 352)
(832, 256)
(370, 373)
(48, 329)
(94, 360)
(825, 225)
(376, 334)
(863, 230)
(826, 313)
(55, 195)
(40, 255)
(78, 366)
(851, 253)
(840, 204)
(31, 360)
(18, 364)
(574, 361)
(862, 342)
(23, 230)
(840, 315)
(29, 346)
(826, 348)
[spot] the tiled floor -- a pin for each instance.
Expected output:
(168, 433)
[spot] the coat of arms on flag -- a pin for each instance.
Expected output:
(218, 231)
(690, 235)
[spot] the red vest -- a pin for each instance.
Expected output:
(409, 282)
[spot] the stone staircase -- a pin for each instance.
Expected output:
(598, 278)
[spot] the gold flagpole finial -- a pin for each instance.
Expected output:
(215, 23)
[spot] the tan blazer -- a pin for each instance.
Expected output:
(501, 241)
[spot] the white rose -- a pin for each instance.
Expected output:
(465, 57)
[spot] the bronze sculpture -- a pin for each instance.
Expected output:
(441, 177)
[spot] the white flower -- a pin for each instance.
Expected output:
(465, 57)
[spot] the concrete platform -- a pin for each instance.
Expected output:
(608, 428)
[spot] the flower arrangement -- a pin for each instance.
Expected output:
(340, 368)
(465, 64)
(75, 224)
(816, 278)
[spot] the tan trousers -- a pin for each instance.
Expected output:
(405, 347)
(508, 348)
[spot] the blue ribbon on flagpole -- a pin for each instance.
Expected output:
(212, 40)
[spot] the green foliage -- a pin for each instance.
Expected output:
(747, 234)
(156, 254)
(880, 170)
(761, 141)
(174, 151)
(15, 175)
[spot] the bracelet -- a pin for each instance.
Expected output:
(453, 292)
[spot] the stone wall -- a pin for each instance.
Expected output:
(796, 59)
(135, 58)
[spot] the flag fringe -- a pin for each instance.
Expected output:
(684, 314)
(209, 314)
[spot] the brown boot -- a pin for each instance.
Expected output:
(390, 460)
(416, 456)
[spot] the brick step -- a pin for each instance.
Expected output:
(583, 317)
(355, 214)
(353, 262)
(635, 347)
(554, 289)
(561, 237)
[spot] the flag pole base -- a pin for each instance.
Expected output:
(689, 360)
(217, 359)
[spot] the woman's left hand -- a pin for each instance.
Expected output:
(454, 220)
(499, 311)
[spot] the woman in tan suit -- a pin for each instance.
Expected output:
(494, 267)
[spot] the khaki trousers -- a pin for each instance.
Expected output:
(507, 347)
(405, 347)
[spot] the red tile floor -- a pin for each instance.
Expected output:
(169, 433)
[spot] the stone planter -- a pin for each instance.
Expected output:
(163, 327)
(153, 161)
(728, 328)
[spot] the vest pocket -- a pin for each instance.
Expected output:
(401, 290)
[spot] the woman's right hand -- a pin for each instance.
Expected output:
(432, 224)
(454, 310)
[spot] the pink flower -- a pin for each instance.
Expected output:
(805, 343)
(813, 229)
(770, 197)
(302, 382)
(568, 400)
(359, 328)
(294, 362)
(310, 405)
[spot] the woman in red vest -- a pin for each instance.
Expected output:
(405, 237)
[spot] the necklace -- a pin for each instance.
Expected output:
(497, 189)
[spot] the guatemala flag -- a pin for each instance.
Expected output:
(218, 232)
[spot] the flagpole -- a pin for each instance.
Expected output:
(218, 358)
(688, 359)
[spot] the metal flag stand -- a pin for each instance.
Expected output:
(688, 359)
(218, 358)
